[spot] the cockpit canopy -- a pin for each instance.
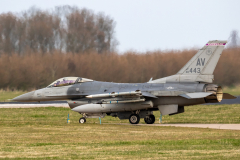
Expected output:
(68, 81)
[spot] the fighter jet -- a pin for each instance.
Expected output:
(192, 85)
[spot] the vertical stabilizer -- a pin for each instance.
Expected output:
(205, 61)
(201, 67)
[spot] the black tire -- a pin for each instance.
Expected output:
(82, 120)
(150, 119)
(134, 119)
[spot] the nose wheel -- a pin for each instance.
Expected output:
(82, 120)
(134, 119)
(149, 119)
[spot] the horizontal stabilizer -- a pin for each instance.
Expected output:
(195, 95)
(228, 96)
(147, 94)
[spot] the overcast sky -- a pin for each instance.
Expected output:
(155, 24)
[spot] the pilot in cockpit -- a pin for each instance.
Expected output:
(56, 84)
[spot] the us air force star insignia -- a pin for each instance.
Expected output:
(208, 51)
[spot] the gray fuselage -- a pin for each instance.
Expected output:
(167, 93)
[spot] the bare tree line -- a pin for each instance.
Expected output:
(233, 40)
(65, 29)
(39, 70)
(39, 46)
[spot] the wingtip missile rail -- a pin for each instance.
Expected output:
(126, 101)
(115, 94)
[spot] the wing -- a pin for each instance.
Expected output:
(127, 99)
(122, 97)
(112, 102)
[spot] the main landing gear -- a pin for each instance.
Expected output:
(82, 120)
(134, 118)
(149, 119)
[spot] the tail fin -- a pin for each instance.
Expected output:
(201, 67)
(205, 61)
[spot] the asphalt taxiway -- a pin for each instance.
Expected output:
(33, 104)
(212, 126)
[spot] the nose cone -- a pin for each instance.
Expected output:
(24, 98)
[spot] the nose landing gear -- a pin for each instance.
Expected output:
(82, 120)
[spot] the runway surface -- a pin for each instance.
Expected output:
(227, 101)
(212, 126)
(33, 104)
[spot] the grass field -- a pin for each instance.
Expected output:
(232, 90)
(43, 133)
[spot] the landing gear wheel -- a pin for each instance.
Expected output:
(134, 119)
(82, 120)
(150, 119)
